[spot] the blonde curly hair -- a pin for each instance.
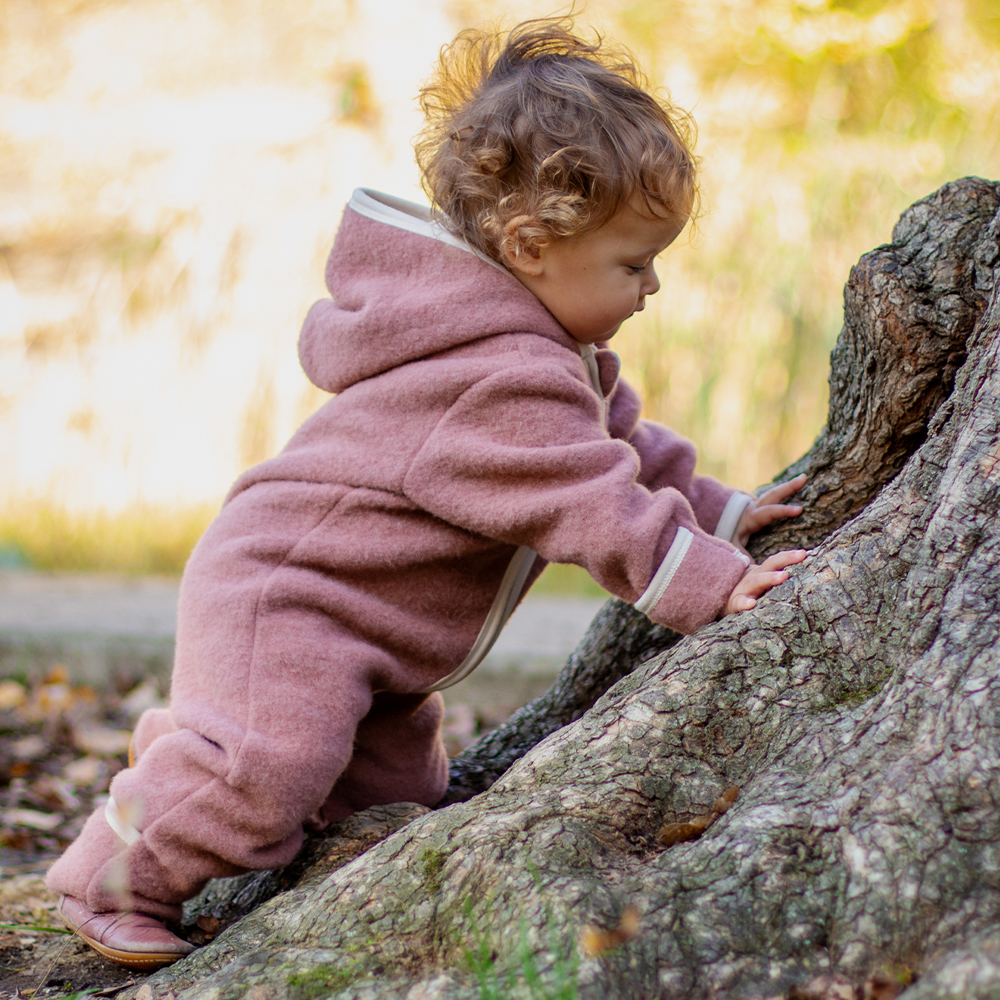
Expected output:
(535, 134)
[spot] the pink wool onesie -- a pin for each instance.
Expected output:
(352, 572)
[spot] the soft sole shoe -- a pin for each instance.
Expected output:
(134, 940)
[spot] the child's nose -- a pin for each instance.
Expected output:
(651, 284)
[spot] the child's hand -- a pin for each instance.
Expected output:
(758, 580)
(767, 508)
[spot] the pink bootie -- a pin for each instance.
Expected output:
(134, 940)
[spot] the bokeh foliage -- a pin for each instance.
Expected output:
(171, 176)
(820, 121)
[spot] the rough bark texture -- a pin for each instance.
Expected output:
(857, 708)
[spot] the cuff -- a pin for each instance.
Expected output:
(729, 519)
(692, 584)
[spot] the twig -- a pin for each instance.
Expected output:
(33, 866)
(55, 958)
(110, 991)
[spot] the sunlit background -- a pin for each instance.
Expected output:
(172, 173)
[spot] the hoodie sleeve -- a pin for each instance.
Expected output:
(522, 456)
(667, 460)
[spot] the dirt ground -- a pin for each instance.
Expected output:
(60, 746)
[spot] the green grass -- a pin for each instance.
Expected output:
(143, 539)
(321, 981)
(525, 979)
(571, 581)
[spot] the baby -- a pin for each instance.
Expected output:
(479, 429)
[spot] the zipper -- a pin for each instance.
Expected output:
(516, 575)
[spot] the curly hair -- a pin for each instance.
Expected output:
(535, 134)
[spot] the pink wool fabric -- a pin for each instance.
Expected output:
(355, 569)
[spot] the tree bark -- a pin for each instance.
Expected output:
(857, 708)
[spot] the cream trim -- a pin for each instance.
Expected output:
(119, 824)
(662, 577)
(729, 519)
(502, 608)
(413, 218)
(590, 363)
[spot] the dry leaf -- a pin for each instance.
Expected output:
(56, 697)
(101, 740)
(84, 772)
(55, 793)
(595, 941)
(30, 818)
(12, 695)
(726, 799)
(29, 748)
(678, 833)
(145, 696)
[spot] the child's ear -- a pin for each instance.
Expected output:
(519, 254)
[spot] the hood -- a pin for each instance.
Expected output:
(403, 288)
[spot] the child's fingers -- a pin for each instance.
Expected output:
(759, 584)
(778, 493)
(760, 579)
(763, 516)
(782, 559)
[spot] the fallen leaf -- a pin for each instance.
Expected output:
(29, 748)
(678, 832)
(30, 818)
(595, 941)
(84, 772)
(56, 793)
(726, 799)
(12, 695)
(145, 696)
(101, 740)
(57, 675)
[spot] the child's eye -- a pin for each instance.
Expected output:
(636, 270)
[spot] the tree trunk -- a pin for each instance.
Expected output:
(857, 709)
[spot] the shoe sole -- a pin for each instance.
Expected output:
(137, 961)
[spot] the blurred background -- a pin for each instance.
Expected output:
(172, 173)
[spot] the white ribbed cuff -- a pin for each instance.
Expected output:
(729, 520)
(119, 823)
(662, 577)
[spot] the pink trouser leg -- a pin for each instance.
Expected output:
(398, 757)
(204, 813)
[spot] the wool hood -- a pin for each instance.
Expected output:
(393, 304)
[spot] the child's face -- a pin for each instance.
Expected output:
(592, 283)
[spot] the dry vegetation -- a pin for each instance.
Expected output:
(171, 176)
(60, 746)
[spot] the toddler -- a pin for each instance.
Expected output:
(479, 429)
